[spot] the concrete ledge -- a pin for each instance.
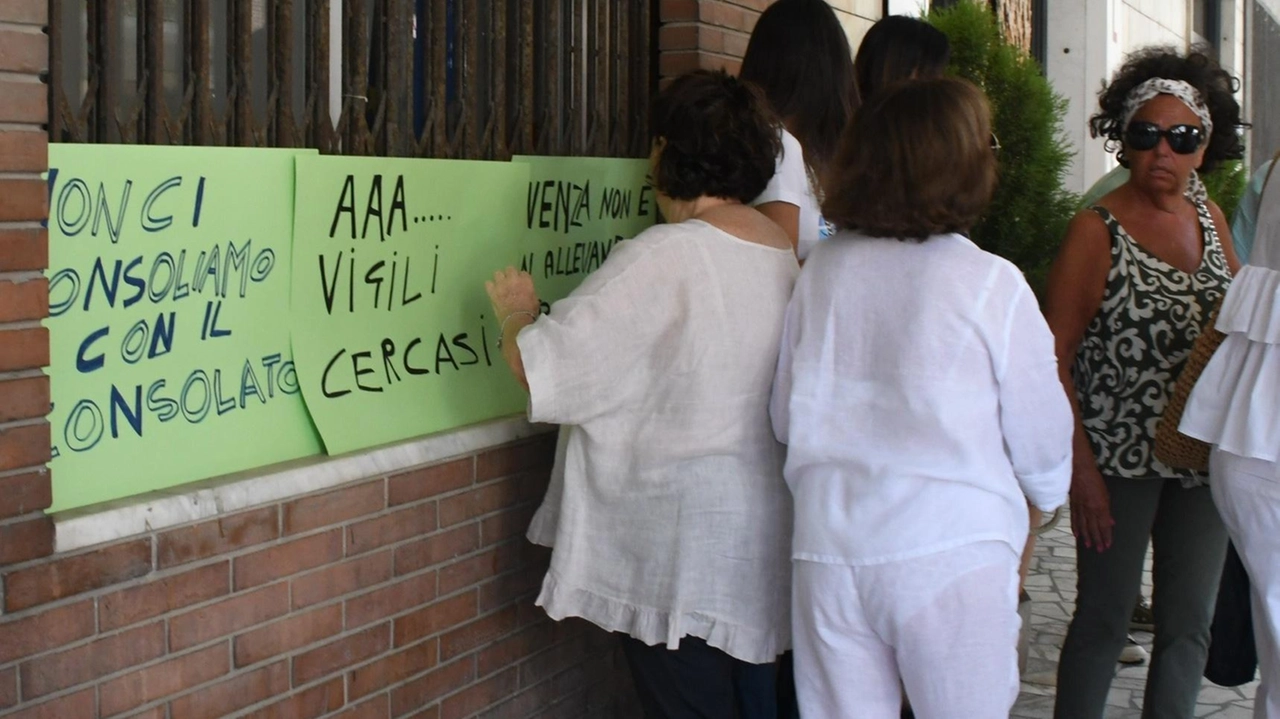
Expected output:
(88, 526)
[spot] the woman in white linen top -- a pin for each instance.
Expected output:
(668, 514)
(917, 392)
(1235, 405)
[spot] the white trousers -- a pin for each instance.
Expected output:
(944, 625)
(1247, 492)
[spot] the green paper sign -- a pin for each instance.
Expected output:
(169, 327)
(576, 210)
(392, 328)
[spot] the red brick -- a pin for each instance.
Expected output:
(8, 687)
(169, 677)
(505, 525)
(512, 649)
(735, 43)
(225, 698)
(24, 51)
(290, 633)
(339, 579)
(24, 493)
(306, 704)
(217, 536)
(482, 500)
(46, 630)
(288, 558)
(437, 548)
(391, 599)
(434, 618)
(22, 199)
(678, 10)
(431, 712)
(237, 612)
(480, 696)
(431, 481)
(393, 669)
(161, 596)
(672, 64)
(156, 712)
(678, 37)
(523, 705)
(25, 445)
(432, 686)
(24, 11)
(26, 249)
(333, 507)
(512, 586)
(77, 705)
(76, 574)
(342, 653)
(478, 633)
(473, 570)
(390, 528)
(375, 708)
(53, 672)
(24, 398)
(548, 663)
(27, 300)
(24, 349)
(512, 459)
(26, 539)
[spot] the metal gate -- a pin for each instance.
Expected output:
(477, 79)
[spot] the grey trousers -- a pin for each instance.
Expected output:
(1189, 544)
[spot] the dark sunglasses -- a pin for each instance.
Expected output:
(1182, 139)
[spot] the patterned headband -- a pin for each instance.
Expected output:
(1189, 96)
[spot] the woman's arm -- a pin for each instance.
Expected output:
(1076, 284)
(515, 305)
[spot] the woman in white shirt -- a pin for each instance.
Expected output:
(668, 515)
(1235, 405)
(798, 56)
(918, 394)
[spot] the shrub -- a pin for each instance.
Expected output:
(1030, 211)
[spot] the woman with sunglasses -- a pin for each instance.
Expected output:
(1130, 290)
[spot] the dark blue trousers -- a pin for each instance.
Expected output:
(698, 681)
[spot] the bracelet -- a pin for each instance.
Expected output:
(502, 330)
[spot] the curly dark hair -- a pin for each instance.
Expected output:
(1216, 86)
(718, 137)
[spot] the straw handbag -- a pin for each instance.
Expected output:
(1172, 447)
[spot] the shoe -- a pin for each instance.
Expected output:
(1143, 620)
(1133, 653)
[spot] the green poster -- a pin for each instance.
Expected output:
(392, 328)
(576, 209)
(168, 317)
(391, 324)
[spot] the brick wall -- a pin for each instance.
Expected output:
(25, 533)
(401, 596)
(713, 34)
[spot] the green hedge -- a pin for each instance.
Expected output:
(1030, 211)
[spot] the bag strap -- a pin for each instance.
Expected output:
(1271, 170)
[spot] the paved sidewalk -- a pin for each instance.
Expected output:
(1052, 586)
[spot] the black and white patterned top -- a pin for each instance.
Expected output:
(1135, 347)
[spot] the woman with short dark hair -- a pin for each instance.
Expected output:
(667, 511)
(917, 393)
(1127, 295)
